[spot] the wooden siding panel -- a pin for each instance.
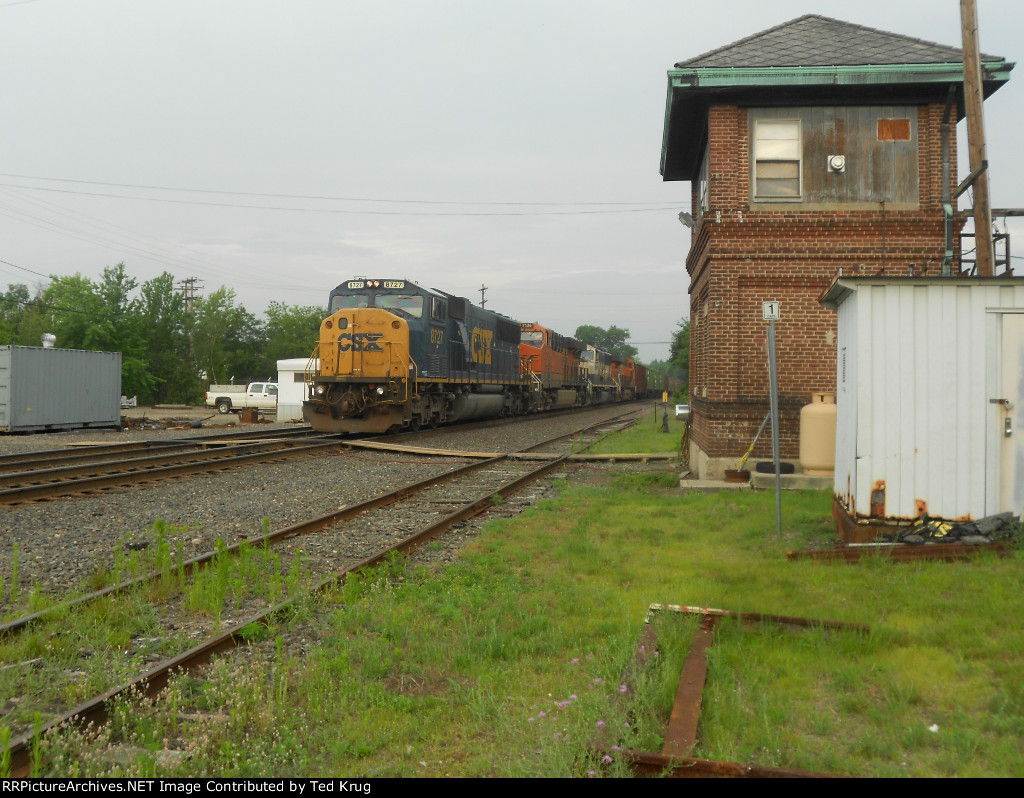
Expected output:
(877, 170)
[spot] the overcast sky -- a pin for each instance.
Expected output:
(455, 143)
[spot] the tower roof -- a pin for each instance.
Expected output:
(810, 60)
(815, 40)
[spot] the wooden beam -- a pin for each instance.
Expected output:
(973, 99)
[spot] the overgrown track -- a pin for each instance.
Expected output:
(397, 522)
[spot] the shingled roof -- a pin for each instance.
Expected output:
(814, 40)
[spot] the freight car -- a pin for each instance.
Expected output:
(396, 355)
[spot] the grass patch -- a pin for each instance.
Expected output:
(511, 661)
(644, 436)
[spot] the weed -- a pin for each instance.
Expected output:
(15, 577)
(252, 632)
(5, 752)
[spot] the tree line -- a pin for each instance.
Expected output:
(170, 349)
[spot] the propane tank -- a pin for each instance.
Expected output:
(818, 435)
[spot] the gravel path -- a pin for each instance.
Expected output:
(62, 543)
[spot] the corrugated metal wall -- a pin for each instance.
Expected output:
(914, 378)
(58, 388)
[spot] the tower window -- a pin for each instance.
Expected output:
(777, 159)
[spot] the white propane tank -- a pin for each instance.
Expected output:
(49, 339)
(818, 435)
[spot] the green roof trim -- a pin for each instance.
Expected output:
(691, 91)
(738, 77)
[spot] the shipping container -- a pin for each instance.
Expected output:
(930, 396)
(43, 388)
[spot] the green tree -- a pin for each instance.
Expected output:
(291, 331)
(679, 351)
(171, 364)
(228, 341)
(73, 301)
(614, 339)
(23, 318)
(103, 316)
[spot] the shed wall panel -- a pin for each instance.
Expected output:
(59, 388)
(916, 395)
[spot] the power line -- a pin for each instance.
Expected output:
(342, 211)
(16, 266)
(322, 197)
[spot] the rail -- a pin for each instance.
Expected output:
(19, 754)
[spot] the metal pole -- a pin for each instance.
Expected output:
(773, 380)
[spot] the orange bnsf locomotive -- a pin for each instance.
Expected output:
(395, 355)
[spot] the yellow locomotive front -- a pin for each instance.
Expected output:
(366, 378)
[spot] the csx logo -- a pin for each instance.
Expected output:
(360, 342)
(482, 345)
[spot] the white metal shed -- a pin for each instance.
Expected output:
(930, 396)
(291, 388)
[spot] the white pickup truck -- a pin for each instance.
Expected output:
(261, 395)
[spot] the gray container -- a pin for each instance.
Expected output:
(55, 389)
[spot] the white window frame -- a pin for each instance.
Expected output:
(765, 152)
(703, 189)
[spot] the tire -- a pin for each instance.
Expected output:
(769, 468)
(224, 406)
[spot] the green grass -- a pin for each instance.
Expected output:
(511, 661)
(645, 435)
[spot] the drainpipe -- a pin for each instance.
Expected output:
(947, 202)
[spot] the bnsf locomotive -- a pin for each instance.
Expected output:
(395, 355)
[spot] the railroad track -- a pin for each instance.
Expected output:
(62, 473)
(333, 546)
(86, 471)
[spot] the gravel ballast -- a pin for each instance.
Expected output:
(61, 543)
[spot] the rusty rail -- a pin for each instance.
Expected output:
(681, 730)
(900, 552)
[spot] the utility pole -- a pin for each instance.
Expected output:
(973, 98)
(188, 290)
(483, 293)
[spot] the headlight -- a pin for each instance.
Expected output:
(321, 389)
(380, 392)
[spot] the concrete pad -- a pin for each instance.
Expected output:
(791, 481)
(711, 485)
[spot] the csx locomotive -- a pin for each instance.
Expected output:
(394, 355)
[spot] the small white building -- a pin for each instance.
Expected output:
(291, 385)
(930, 396)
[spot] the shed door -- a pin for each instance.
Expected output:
(1006, 420)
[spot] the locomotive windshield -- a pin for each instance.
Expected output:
(407, 303)
(346, 301)
(410, 304)
(532, 337)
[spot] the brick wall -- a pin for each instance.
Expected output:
(740, 258)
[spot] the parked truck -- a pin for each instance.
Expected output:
(260, 395)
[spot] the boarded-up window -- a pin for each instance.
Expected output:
(894, 130)
(777, 159)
